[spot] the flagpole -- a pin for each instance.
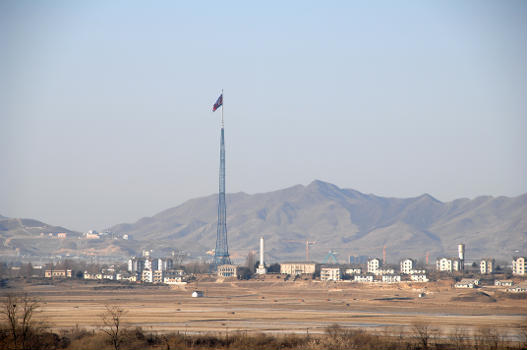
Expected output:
(222, 103)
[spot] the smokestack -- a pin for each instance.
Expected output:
(261, 251)
(261, 267)
(461, 251)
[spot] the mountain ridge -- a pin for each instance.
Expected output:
(337, 217)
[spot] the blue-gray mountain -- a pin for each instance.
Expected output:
(344, 220)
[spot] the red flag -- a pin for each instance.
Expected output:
(218, 103)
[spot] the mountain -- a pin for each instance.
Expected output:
(344, 220)
(29, 237)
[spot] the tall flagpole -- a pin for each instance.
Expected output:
(221, 255)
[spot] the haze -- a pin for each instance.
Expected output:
(105, 107)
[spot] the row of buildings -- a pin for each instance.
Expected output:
(375, 271)
(486, 266)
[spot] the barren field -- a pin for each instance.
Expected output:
(275, 306)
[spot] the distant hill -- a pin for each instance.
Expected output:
(26, 237)
(345, 220)
(33, 238)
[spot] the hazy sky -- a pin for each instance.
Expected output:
(105, 106)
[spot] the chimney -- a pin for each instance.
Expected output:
(261, 267)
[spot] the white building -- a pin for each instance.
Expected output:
(330, 274)
(129, 278)
(520, 288)
(418, 278)
(298, 268)
(373, 265)
(391, 278)
(518, 265)
(174, 280)
(448, 264)
(384, 272)
(136, 265)
(407, 265)
(146, 276)
(353, 271)
(363, 279)
(503, 283)
(486, 266)
(467, 283)
(228, 270)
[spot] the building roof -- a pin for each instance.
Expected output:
(467, 281)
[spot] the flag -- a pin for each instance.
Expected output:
(218, 103)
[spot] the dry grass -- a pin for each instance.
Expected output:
(272, 307)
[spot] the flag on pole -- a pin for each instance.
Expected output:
(218, 103)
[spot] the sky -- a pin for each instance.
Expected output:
(105, 106)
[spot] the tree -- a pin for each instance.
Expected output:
(19, 311)
(244, 273)
(112, 321)
(274, 268)
(422, 333)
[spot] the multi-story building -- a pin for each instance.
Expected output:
(373, 265)
(136, 265)
(150, 264)
(57, 273)
(298, 268)
(407, 265)
(146, 276)
(330, 273)
(486, 266)
(518, 265)
(139, 264)
(157, 276)
(228, 270)
(448, 264)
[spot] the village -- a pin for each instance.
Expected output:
(155, 270)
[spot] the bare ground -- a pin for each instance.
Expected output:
(276, 306)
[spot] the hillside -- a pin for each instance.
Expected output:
(345, 220)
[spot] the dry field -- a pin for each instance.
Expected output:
(275, 306)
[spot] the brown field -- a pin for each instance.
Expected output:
(275, 306)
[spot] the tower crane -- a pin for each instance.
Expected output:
(307, 243)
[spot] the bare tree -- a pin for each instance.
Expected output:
(488, 338)
(19, 311)
(422, 333)
(113, 327)
(459, 337)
